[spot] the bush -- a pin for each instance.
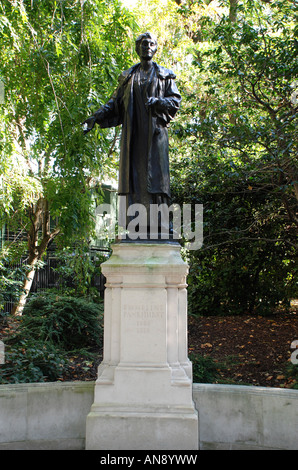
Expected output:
(234, 281)
(69, 322)
(204, 369)
(247, 263)
(52, 327)
(292, 375)
(32, 361)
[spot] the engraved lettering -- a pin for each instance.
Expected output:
(143, 311)
(141, 317)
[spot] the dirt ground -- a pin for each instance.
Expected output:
(250, 350)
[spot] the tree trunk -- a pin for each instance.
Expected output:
(19, 306)
(40, 219)
(233, 10)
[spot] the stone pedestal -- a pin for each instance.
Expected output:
(143, 394)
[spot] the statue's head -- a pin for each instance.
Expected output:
(146, 45)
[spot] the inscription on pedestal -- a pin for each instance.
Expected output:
(143, 316)
(144, 323)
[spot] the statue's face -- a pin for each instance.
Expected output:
(147, 48)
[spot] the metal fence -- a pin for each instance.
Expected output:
(47, 277)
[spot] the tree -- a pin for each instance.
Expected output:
(240, 124)
(59, 61)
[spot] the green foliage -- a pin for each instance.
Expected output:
(11, 278)
(234, 150)
(204, 369)
(247, 262)
(69, 322)
(11, 282)
(51, 329)
(32, 361)
(76, 268)
(59, 64)
(292, 374)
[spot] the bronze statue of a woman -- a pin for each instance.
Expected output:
(144, 103)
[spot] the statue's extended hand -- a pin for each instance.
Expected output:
(90, 123)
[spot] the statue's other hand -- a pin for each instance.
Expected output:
(151, 101)
(88, 124)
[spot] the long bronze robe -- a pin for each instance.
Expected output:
(144, 142)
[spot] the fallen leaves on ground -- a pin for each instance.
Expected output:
(250, 350)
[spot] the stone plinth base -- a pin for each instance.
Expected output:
(142, 430)
(143, 394)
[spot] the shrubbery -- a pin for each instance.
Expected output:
(52, 328)
(68, 322)
(205, 369)
(247, 263)
(32, 361)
